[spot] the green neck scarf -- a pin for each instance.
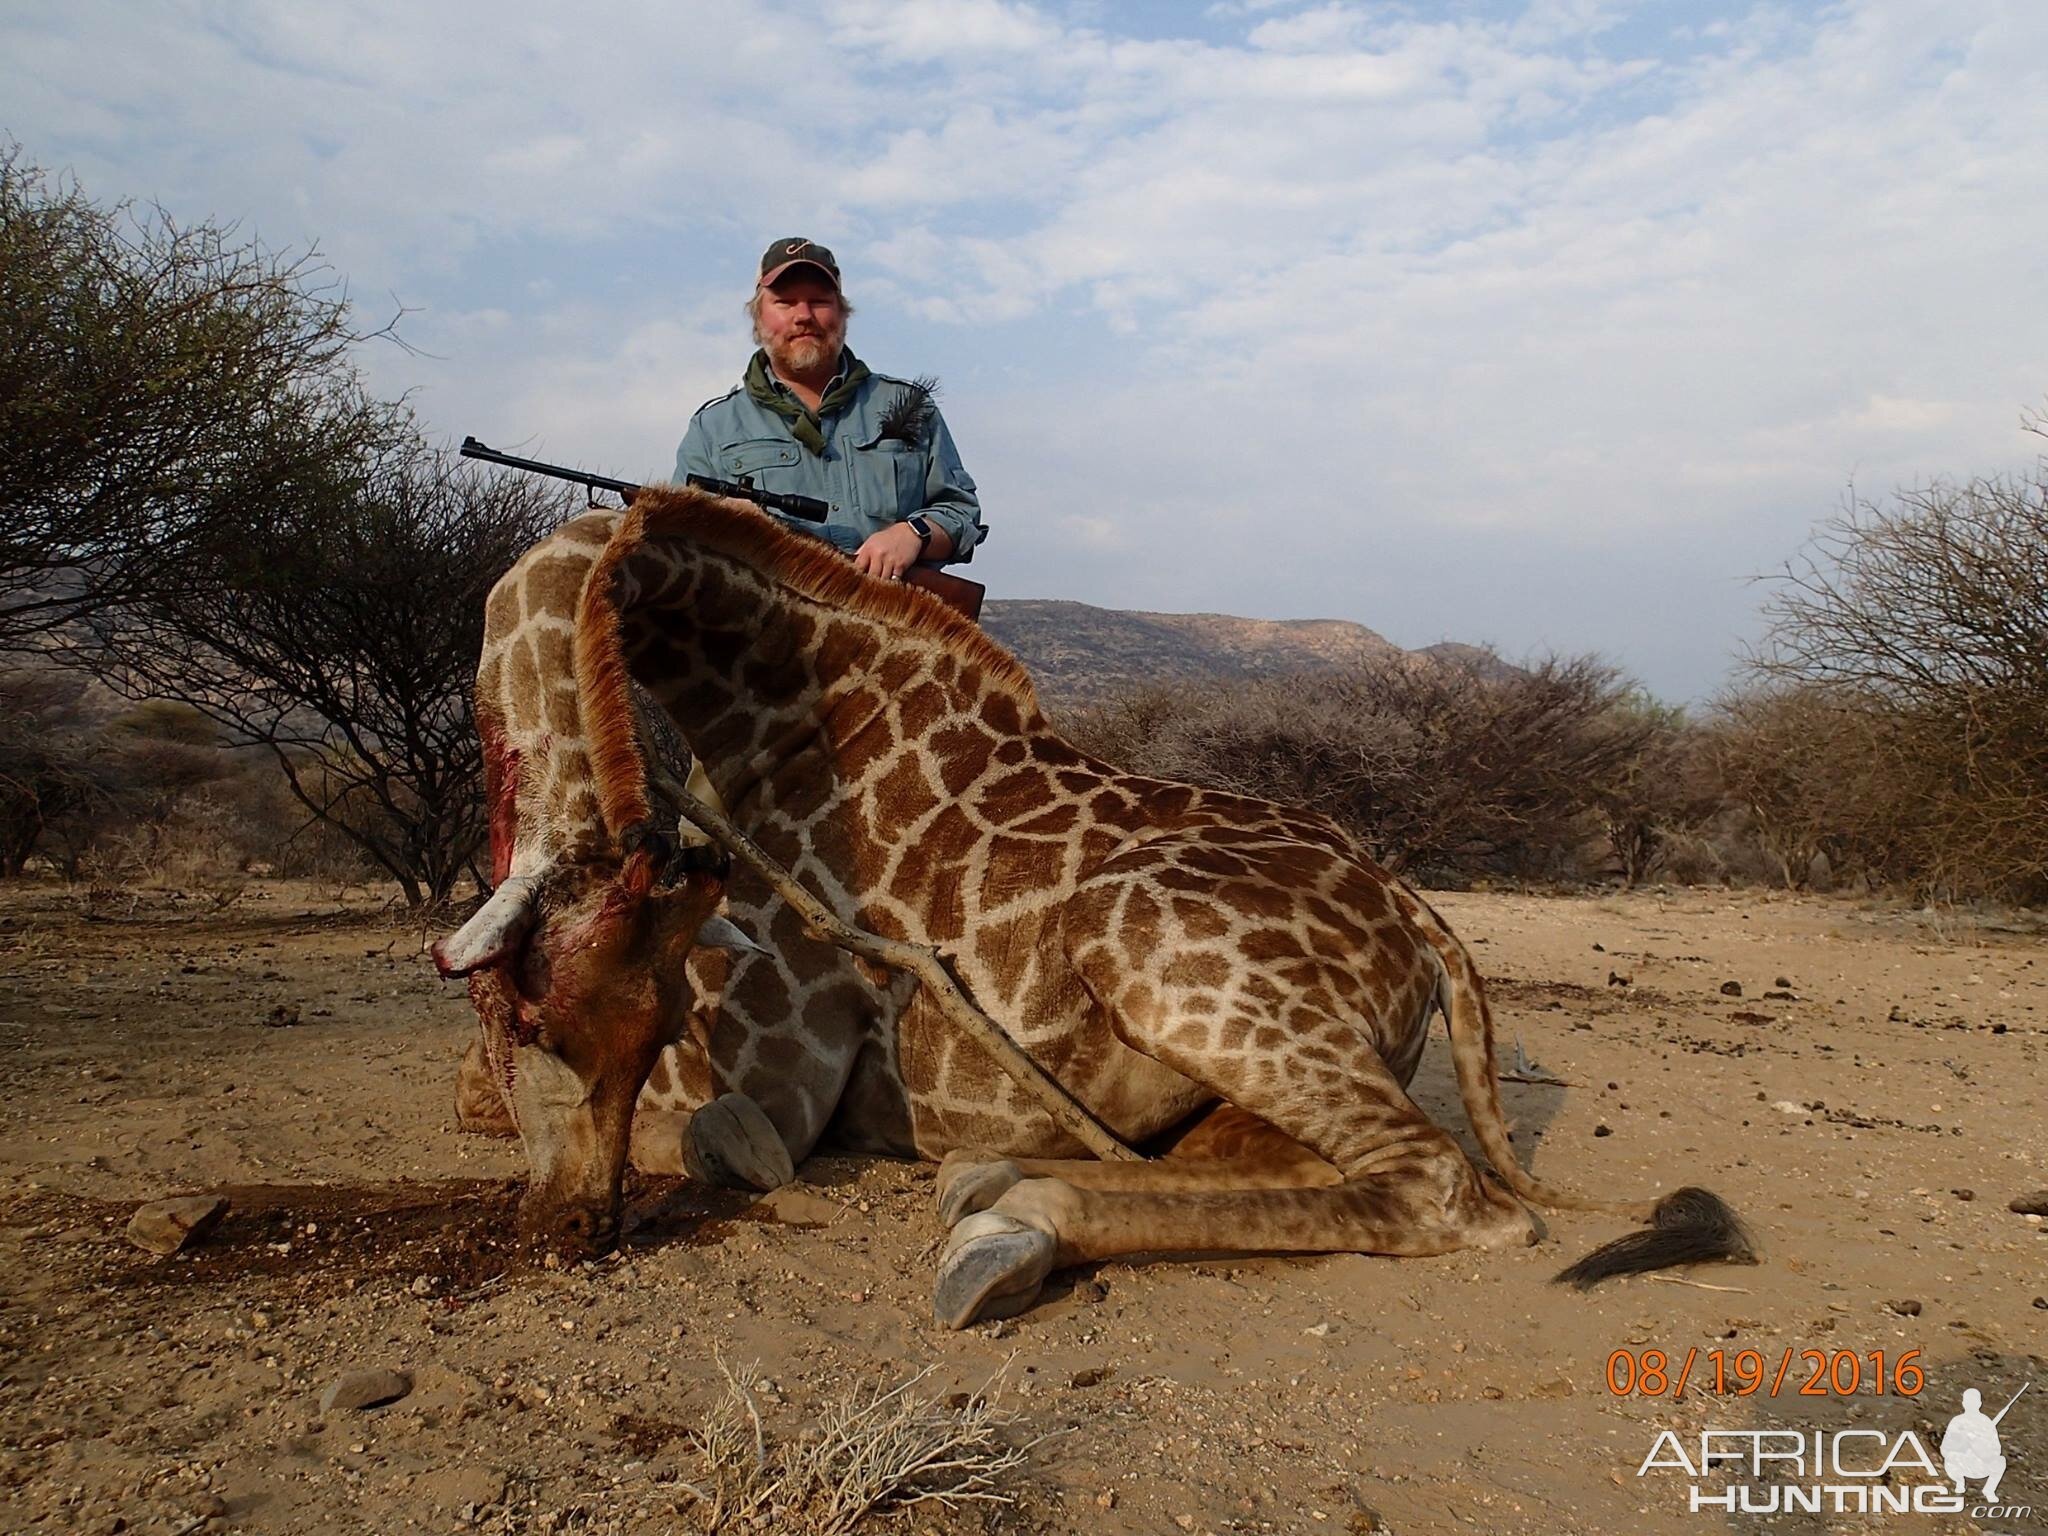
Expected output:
(803, 424)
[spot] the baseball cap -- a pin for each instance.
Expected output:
(797, 252)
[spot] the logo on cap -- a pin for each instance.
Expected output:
(796, 251)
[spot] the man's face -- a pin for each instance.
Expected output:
(802, 323)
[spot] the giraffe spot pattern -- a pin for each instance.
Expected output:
(962, 753)
(902, 796)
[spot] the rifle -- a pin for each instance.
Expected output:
(954, 591)
(2009, 1402)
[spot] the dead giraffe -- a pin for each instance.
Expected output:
(1172, 956)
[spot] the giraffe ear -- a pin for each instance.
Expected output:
(494, 932)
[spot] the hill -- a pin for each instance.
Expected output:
(1079, 653)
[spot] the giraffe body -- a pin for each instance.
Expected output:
(1173, 956)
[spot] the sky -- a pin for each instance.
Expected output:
(1545, 324)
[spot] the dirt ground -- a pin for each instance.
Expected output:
(1871, 1102)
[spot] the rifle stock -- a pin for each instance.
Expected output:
(954, 591)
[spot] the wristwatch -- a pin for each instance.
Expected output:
(921, 526)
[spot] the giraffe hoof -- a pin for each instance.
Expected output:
(734, 1144)
(993, 1266)
(967, 1187)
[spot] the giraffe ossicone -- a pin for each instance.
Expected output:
(1230, 975)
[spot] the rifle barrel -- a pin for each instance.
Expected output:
(2011, 1400)
(472, 449)
(808, 508)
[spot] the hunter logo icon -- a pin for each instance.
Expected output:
(1969, 1447)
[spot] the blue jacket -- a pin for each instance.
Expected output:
(868, 480)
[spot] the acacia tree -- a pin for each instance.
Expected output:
(155, 381)
(1922, 625)
(341, 631)
(201, 502)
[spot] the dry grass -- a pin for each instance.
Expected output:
(872, 1450)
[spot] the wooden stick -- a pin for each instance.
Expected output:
(1700, 1285)
(925, 964)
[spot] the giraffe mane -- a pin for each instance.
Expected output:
(604, 694)
(815, 570)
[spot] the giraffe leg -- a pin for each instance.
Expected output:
(1406, 1188)
(731, 1142)
(1227, 1149)
(658, 1140)
(993, 1265)
(1428, 1202)
(781, 1088)
(1423, 1197)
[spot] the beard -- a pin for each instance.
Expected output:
(806, 354)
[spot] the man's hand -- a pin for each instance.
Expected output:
(891, 552)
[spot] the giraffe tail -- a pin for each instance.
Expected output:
(1689, 1225)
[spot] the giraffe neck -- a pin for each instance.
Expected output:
(757, 676)
(887, 753)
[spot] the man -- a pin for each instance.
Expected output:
(810, 419)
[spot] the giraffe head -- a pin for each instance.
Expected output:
(576, 963)
(579, 975)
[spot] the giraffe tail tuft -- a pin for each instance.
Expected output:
(1689, 1226)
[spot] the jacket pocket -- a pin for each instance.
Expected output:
(888, 476)
(769, 463)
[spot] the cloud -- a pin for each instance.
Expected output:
(572, 384)
(1333, 309)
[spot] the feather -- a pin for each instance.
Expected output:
(912, 414)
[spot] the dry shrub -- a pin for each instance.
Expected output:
(872, 1450)
(1446, 769)
(1840, 785)
(1804, 768)
(1658, 800)
(1900, 723)
(120, 795)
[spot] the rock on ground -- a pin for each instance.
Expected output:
(165, 1226)
(364, 1389)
